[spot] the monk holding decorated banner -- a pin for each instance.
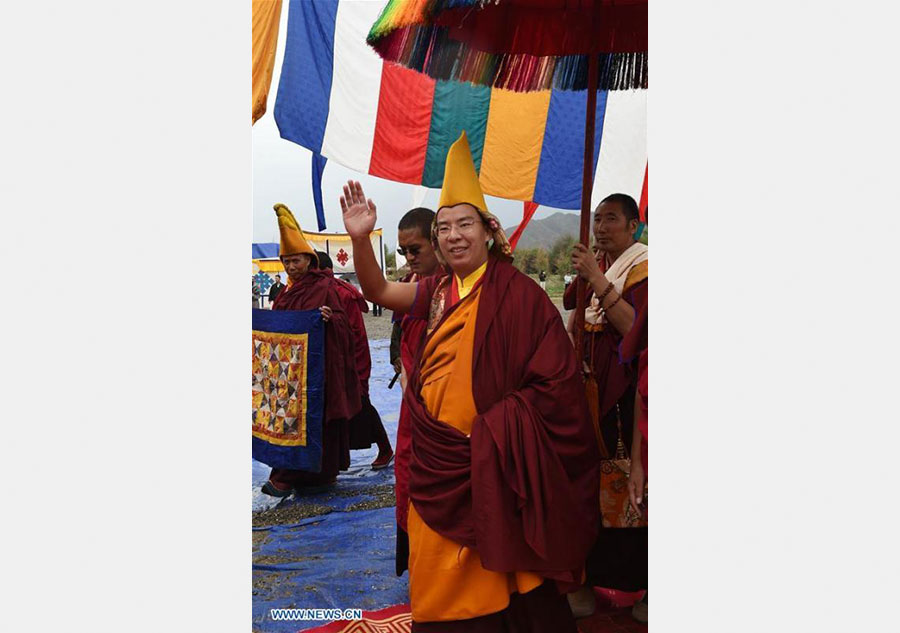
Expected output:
(503, 472)
(310, 288)
(617, 290)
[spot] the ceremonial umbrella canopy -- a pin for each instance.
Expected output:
(523, 45)
(341, 100)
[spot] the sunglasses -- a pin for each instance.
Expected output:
(412, 250)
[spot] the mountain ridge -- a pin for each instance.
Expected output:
(543, 233)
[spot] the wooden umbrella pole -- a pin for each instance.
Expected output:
(586, 187)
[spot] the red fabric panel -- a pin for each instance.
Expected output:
(643, 204)
(527, 213)
(402, 125)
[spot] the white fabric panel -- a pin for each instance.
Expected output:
(353, 106)
(623, 147)
(418, 196)
(340, 249)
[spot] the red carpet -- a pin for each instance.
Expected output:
(396, 619)
(613, 615)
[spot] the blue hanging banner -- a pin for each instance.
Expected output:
(288, 388)
(318, 168)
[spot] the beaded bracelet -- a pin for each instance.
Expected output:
(605, 292)
(607, 308)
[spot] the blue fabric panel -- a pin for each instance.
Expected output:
(265, 250)
(562, 155)
(307, 457)
(301, 107)
(318, 167)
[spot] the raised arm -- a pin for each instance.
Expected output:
(359, 222)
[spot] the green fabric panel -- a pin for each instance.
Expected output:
(457, 106)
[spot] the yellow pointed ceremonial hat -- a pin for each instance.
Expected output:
(460, 180)
(292, 240)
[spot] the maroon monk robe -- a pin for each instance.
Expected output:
(523, 489)
(411, 338)
(633, 349)
(366, 427)
(354, 305)
(342, 390)
(618, 559)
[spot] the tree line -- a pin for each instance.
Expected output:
(531, 261)
(556, 261)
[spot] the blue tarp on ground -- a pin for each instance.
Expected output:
(345, 558)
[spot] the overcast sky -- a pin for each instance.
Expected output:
(281, 173)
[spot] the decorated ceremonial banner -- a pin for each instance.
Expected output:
(340, 249)
(288, 388)
(337, 245)
(337, 98)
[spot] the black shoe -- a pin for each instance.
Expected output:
(270, 489)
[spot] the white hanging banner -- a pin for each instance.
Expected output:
(340, 249)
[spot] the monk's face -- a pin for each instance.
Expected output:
(612, 232)
(462, 237)
(296, 266)
(418, 251)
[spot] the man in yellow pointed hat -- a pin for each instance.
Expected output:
(310, 288)
(503, 472)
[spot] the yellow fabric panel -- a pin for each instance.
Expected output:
(269, 265)
(335, 237)
(512, 152)
(446, 580)
(266, 16)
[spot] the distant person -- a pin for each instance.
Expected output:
(275, 289)
(543, 279)
(366, 427)
(568, 280)
(256, 295)
(414, 243)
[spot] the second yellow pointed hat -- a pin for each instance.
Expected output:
(292, 240)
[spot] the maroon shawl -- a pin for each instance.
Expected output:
(523, 489)
(342, 388)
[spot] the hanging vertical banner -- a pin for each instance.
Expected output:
(266, 16)
(318, 168)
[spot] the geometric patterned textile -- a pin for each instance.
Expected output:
(396, 619)
(288, 384)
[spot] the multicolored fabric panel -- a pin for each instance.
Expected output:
(288, 388)
(338, 98)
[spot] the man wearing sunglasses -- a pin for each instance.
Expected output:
(414, 240)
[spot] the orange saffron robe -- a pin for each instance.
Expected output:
(446, 580)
